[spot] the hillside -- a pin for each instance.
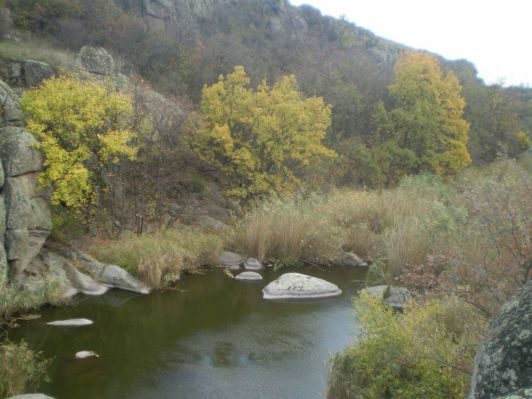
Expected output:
(180, 45)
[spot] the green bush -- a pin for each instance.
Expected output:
(424, 353)
(21, 369)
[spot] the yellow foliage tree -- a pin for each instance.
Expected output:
(428, 117)
(262, 139)
(82, 128)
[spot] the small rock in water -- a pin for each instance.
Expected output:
(86, 354)
(71, 323)
(252, 264)
(300, 286)
(249, 276)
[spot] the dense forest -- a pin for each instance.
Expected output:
(163, 132)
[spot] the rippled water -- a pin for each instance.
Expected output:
(212, 337)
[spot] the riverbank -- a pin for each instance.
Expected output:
(432, 236)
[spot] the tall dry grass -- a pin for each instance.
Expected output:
(160, 259)
(287, 233)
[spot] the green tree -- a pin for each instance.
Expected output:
(83, 129)
(426, 129)
(262, 140)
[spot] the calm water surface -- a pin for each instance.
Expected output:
(212, 337)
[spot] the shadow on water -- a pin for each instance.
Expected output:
(212, 337)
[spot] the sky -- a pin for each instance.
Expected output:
(496, 35)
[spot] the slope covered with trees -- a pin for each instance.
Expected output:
(180, 46)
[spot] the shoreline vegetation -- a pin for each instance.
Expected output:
(444, 240)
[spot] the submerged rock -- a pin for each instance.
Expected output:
(252, 264)
(396, 297)
(300, 286)
(503, 365)
(349, 259)
(85, 354)
(71, 323)
(231, 260)
(249, 276)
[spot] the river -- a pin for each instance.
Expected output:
(210, 337)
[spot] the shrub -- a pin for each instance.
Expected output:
(159, 259)
(21, 368)
(424, 353)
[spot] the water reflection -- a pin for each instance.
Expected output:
(215, 337)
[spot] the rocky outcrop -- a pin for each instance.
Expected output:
(109, 275)
(503, 365)
(26, 212)
(25, 217)
(300, 286)
(24, 73)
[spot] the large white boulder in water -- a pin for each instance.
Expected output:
(300, 286)
(31, 396)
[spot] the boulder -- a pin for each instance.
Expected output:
(71, 323)
(231, 260)
(252, 264)
(18, 152)
(396, 297)
(300, 286)
(349, 259)
(96, 60)
(31, 396)
(10, 112)
(249, 276)
(503, 364)
(36, 71)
